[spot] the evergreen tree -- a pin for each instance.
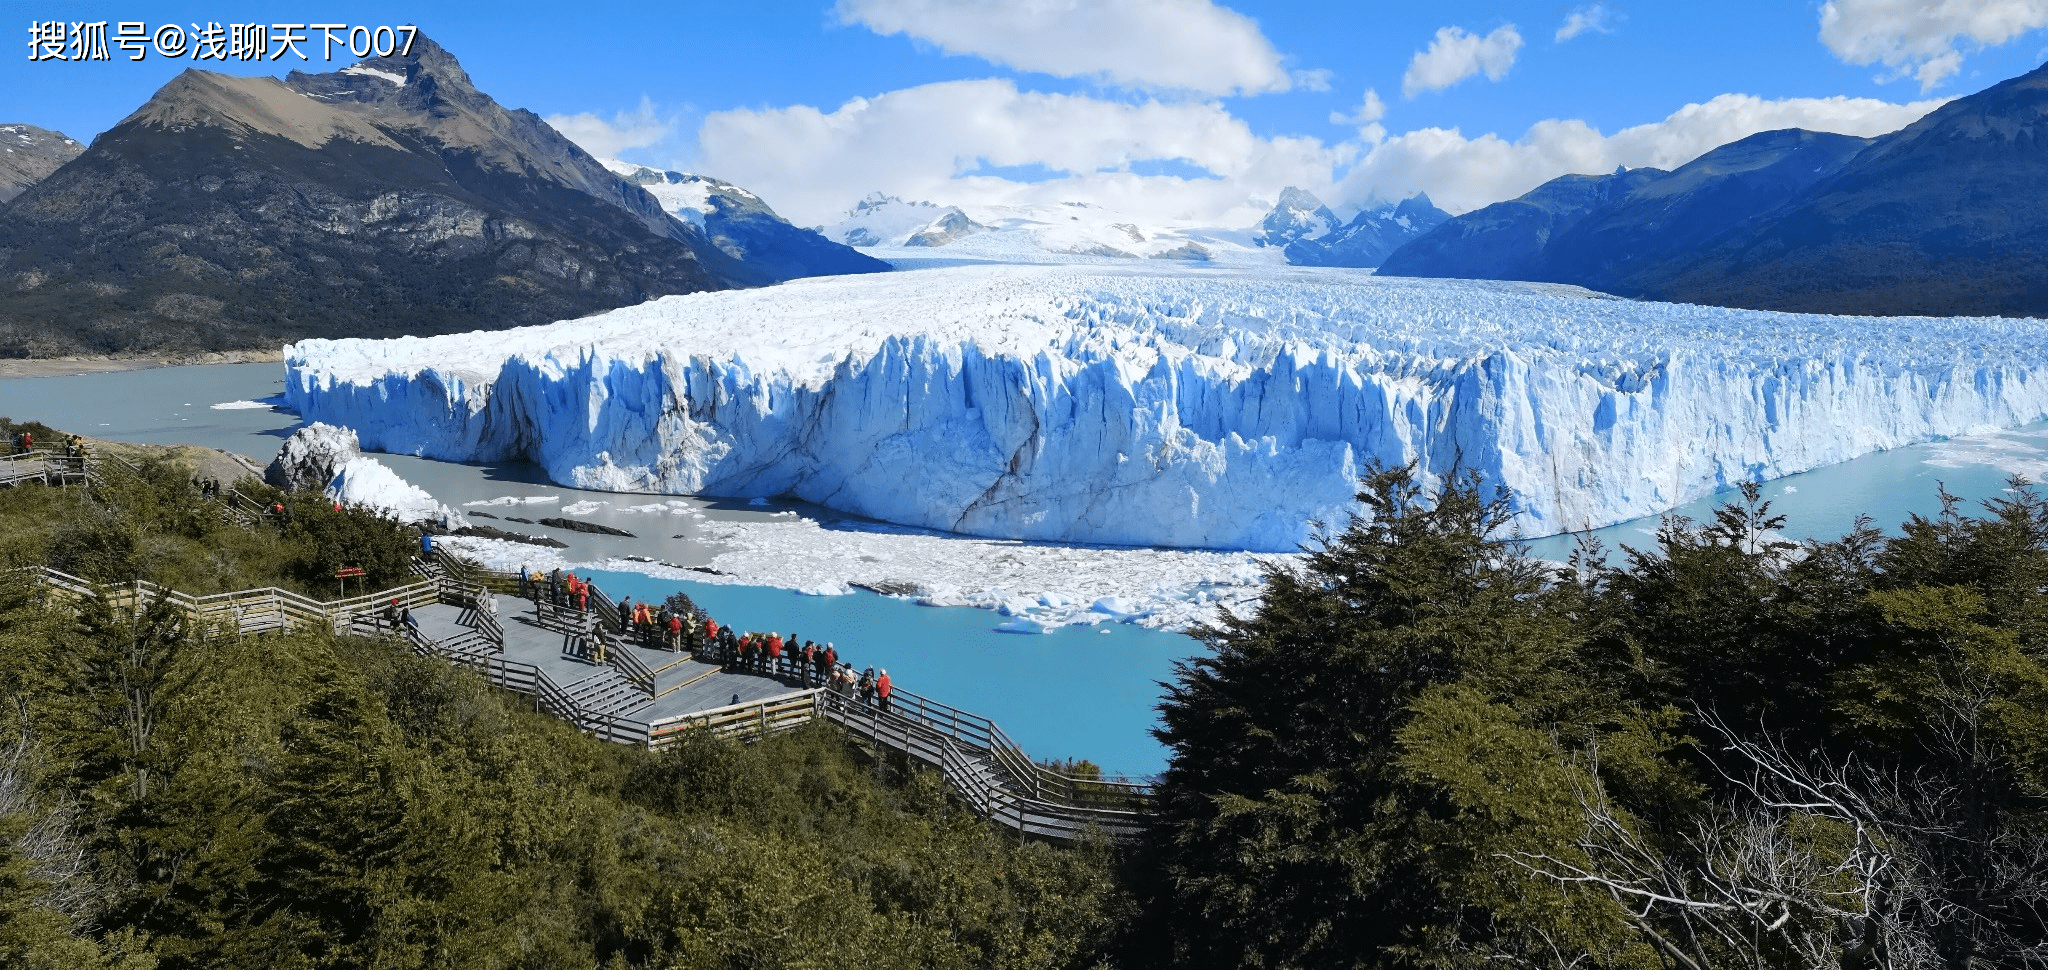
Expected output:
(1291, 831)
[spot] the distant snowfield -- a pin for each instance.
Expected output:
(1141, 403)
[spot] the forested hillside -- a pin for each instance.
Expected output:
(1424, 750)
(175, 797)
(1723, 750)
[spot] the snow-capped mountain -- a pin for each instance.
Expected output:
(743, 226)
(1065, 232)
(28, 153)
(1299, 214)
(1145, 403)
(1371, 236)
(885, 220)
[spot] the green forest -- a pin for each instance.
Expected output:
(1425, 749)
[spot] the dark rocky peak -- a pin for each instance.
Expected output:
(1298, 215)
(421, 80)
(1419, 210)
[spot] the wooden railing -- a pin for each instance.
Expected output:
(982, 780)
(750, 719)
(989, 769)
(42, 466)
(247, 610)
(626, 661)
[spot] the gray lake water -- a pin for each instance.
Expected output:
(1076, 694)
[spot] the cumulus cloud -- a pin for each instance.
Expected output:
(1461, 174)
(938, 141)
(1923, 39)
(1365, 118)
(1595, 19)
(1456, 55)
(1191, 45)
(627, 130)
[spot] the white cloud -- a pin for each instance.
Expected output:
(932, 141)
(627, 130)
(1456, 55)
(1191, 45)
(1461, 174)
(1921, 38)
(1365, 118)
(1595, 18)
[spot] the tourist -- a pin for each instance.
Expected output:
(626, 617)
(675, 632)
(882, 689)
(555, 586)
(808, 662)
(774, 653)
(867, 687)
(391, 615)
(831, 656)
(525, 582)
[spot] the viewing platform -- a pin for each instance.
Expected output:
(577, 668)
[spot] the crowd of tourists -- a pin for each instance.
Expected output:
(769, 654)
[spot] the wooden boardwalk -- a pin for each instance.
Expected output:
(651, 698)
(42, 467)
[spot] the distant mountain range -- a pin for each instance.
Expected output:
(1943, 217)
(28, 155)
(1308, 233)
(1057, 232)
(745, 228)
(1371, 235)
(391, 197)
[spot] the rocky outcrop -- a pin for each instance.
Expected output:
(311, 457)
(28, 155)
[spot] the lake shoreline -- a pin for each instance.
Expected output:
(108, 364)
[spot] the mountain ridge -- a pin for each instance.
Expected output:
(388, 198)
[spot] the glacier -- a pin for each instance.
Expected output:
(1156, 405)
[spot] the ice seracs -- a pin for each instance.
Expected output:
(1158, 404)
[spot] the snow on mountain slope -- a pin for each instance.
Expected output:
(921, 233)
(884, 220)
(1147, 403)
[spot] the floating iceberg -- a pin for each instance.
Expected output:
(1152, 405)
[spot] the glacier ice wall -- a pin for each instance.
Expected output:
(1169, 406)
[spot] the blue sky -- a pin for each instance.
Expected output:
(1175, 110)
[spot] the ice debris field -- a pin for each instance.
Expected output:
(1172, 406)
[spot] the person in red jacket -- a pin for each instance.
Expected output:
(675, 633)
(774, 651)
(883, 688)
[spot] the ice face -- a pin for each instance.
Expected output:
(1163, 405)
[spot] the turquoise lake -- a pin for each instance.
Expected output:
(1076, 693)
